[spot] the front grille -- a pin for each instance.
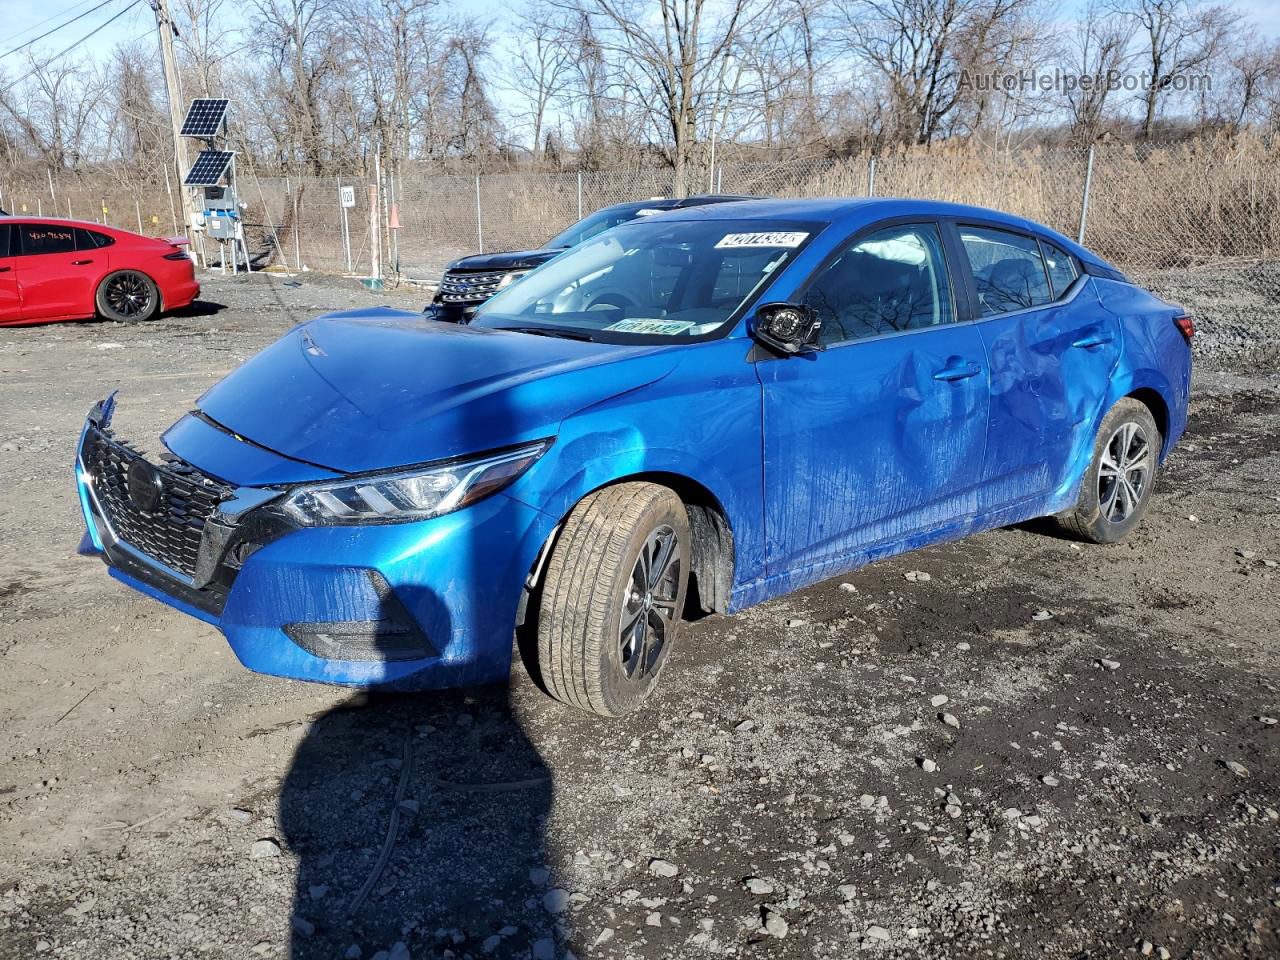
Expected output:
(461, 286)
(169, 534)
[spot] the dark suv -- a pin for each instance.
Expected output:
(471, 281)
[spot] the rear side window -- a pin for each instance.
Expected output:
(38, 238)
(1061, 267)
(91, 239)
(1008, 269)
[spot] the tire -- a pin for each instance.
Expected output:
(127, 296)
(1108, 509)
(587, 657)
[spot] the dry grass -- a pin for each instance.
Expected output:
(1150, 206)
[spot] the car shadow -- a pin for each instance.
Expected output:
(197, 308)
(419, 819)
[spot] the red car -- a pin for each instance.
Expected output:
(69, 270)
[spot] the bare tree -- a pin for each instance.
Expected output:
(538, 69)
(1176, 38)
(204, 44)
(923, 52)
(304, 51)
(674, 57)
(1096, 55)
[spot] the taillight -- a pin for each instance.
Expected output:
(1186, 326)
(177, 255)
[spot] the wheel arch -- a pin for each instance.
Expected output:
(1154, 401)
(714, 550)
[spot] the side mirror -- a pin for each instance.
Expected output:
(789, 328)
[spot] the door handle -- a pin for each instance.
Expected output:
(958, 372)
(80, 263)
(5, 269)
(1093, 340)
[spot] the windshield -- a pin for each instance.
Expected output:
(658, 279)
(598, 222)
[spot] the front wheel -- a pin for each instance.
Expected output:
(1117, 486)
(128, 296)
(614, 592)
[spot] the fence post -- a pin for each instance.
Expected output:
(579, 194)
(479, 220)
(1084, 201)
(297, 245)
(871, 177)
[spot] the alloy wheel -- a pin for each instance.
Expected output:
(1124, 472)
(129, 295)
(649, 606)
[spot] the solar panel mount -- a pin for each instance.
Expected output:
(204, 118)
(208, 169)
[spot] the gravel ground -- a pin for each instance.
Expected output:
(1009, 746)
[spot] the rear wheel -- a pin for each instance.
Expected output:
(614, 591)
(128, 296)
(1117, 486)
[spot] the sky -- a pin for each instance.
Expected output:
(23, 20)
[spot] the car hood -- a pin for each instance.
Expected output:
(513, 260)
(376, 389)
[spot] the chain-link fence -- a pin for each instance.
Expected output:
(1165, 213)
(1148, 206)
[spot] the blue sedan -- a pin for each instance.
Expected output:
(703, 409)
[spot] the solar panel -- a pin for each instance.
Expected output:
(208, 169)
(204, 118)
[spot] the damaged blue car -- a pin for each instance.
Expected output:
(693, 412)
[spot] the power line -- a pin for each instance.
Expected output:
(61, 26)
(65, 50)
(49, 19)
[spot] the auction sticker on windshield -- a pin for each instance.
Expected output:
(666, 328)
(761, 240)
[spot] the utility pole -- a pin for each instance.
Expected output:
(173, 89)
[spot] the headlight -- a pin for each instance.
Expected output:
(511, 278)
(412, 494)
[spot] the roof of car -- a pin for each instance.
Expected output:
(865, 209)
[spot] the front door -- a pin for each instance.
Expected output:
(9, 300)
(57, 280)
(882, 434)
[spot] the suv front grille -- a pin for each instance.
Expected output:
(170, 533)
(461, 286)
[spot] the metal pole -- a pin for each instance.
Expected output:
(173, 92)
(479, 219)
(579, 194)
(297, 245)
(871, 177)
(720, 179)
(346, 227)
(1084, 201)
(375, 241)
(137, 209)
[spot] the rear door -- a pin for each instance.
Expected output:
(10, 302)
(56, 277)
(1051, 348)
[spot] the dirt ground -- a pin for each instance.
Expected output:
(1043, 749)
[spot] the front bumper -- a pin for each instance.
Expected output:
(409, 606)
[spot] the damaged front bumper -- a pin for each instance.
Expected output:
(417, 605)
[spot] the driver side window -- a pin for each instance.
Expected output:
(890, 281)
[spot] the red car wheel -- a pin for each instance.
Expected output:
(128, 296)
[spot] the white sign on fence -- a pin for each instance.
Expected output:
(348, 196)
